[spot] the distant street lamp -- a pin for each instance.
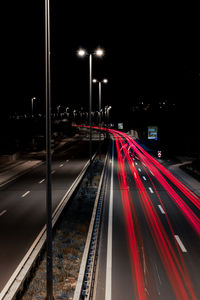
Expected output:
(32, 99)
(82, 53)
(58, 109)
(100, 84)
(107, 115)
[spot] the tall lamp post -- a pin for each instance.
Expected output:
(100, 84)
(32, 100)
(49, 272)
(82, 53)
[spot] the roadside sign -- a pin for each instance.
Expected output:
(120, 126)
(159, 153)
(152, 133)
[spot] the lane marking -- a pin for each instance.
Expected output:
(136, 163)
(3, 212)
(67, 160)
(61, 165)
(108, 290)
(180, 243)
(24, 195)
(52, 172)
(151, 172)
(144, 178)
(139, 170)
(151, 190)
(41, 181)
(161, 209)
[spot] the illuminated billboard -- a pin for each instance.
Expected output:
(152, 133)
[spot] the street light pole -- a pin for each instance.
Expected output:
(99, 120)
(99, 52)
(90, 109)
(33, 98)
(49, 271)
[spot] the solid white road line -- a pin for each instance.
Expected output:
(3, 212)
(144, 178)
(151, 190)
(41, 181)
(108, 290)
(161, 209)
(24, 195)
(180, 243)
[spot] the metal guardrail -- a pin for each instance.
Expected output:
(21, 273)
(87, 270)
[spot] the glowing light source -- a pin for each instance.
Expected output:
(81, 52)
(99, 52)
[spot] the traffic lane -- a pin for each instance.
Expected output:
(26, 217)
(156, 281)
(190, 202)
(176, 225)
(25, 214)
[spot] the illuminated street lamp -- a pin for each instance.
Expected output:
(32, 99)
(82, 53)
(100, 83)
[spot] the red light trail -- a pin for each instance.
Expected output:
(165, 242)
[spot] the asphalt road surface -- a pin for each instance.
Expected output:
(149, 242)
(23, 205)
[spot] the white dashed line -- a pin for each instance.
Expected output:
(136, 163)
(139, 170)
(3, 212)
(67, 160)
(41, 181)
(61, 165)
(161, 209)
(24, 195)
(52, 172)
(180, 243)
(151, 190)
(144, 178)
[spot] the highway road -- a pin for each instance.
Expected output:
(22, 205)
(149, 240)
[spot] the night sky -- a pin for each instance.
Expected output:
(150, 51)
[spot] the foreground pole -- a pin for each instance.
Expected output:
(49, 275)
(90, 111)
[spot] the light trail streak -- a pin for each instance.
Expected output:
(174, 265)
(135, 259)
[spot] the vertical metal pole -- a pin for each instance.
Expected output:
(49, 275)
(99, 120)
(32, 106)
(90, 110)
